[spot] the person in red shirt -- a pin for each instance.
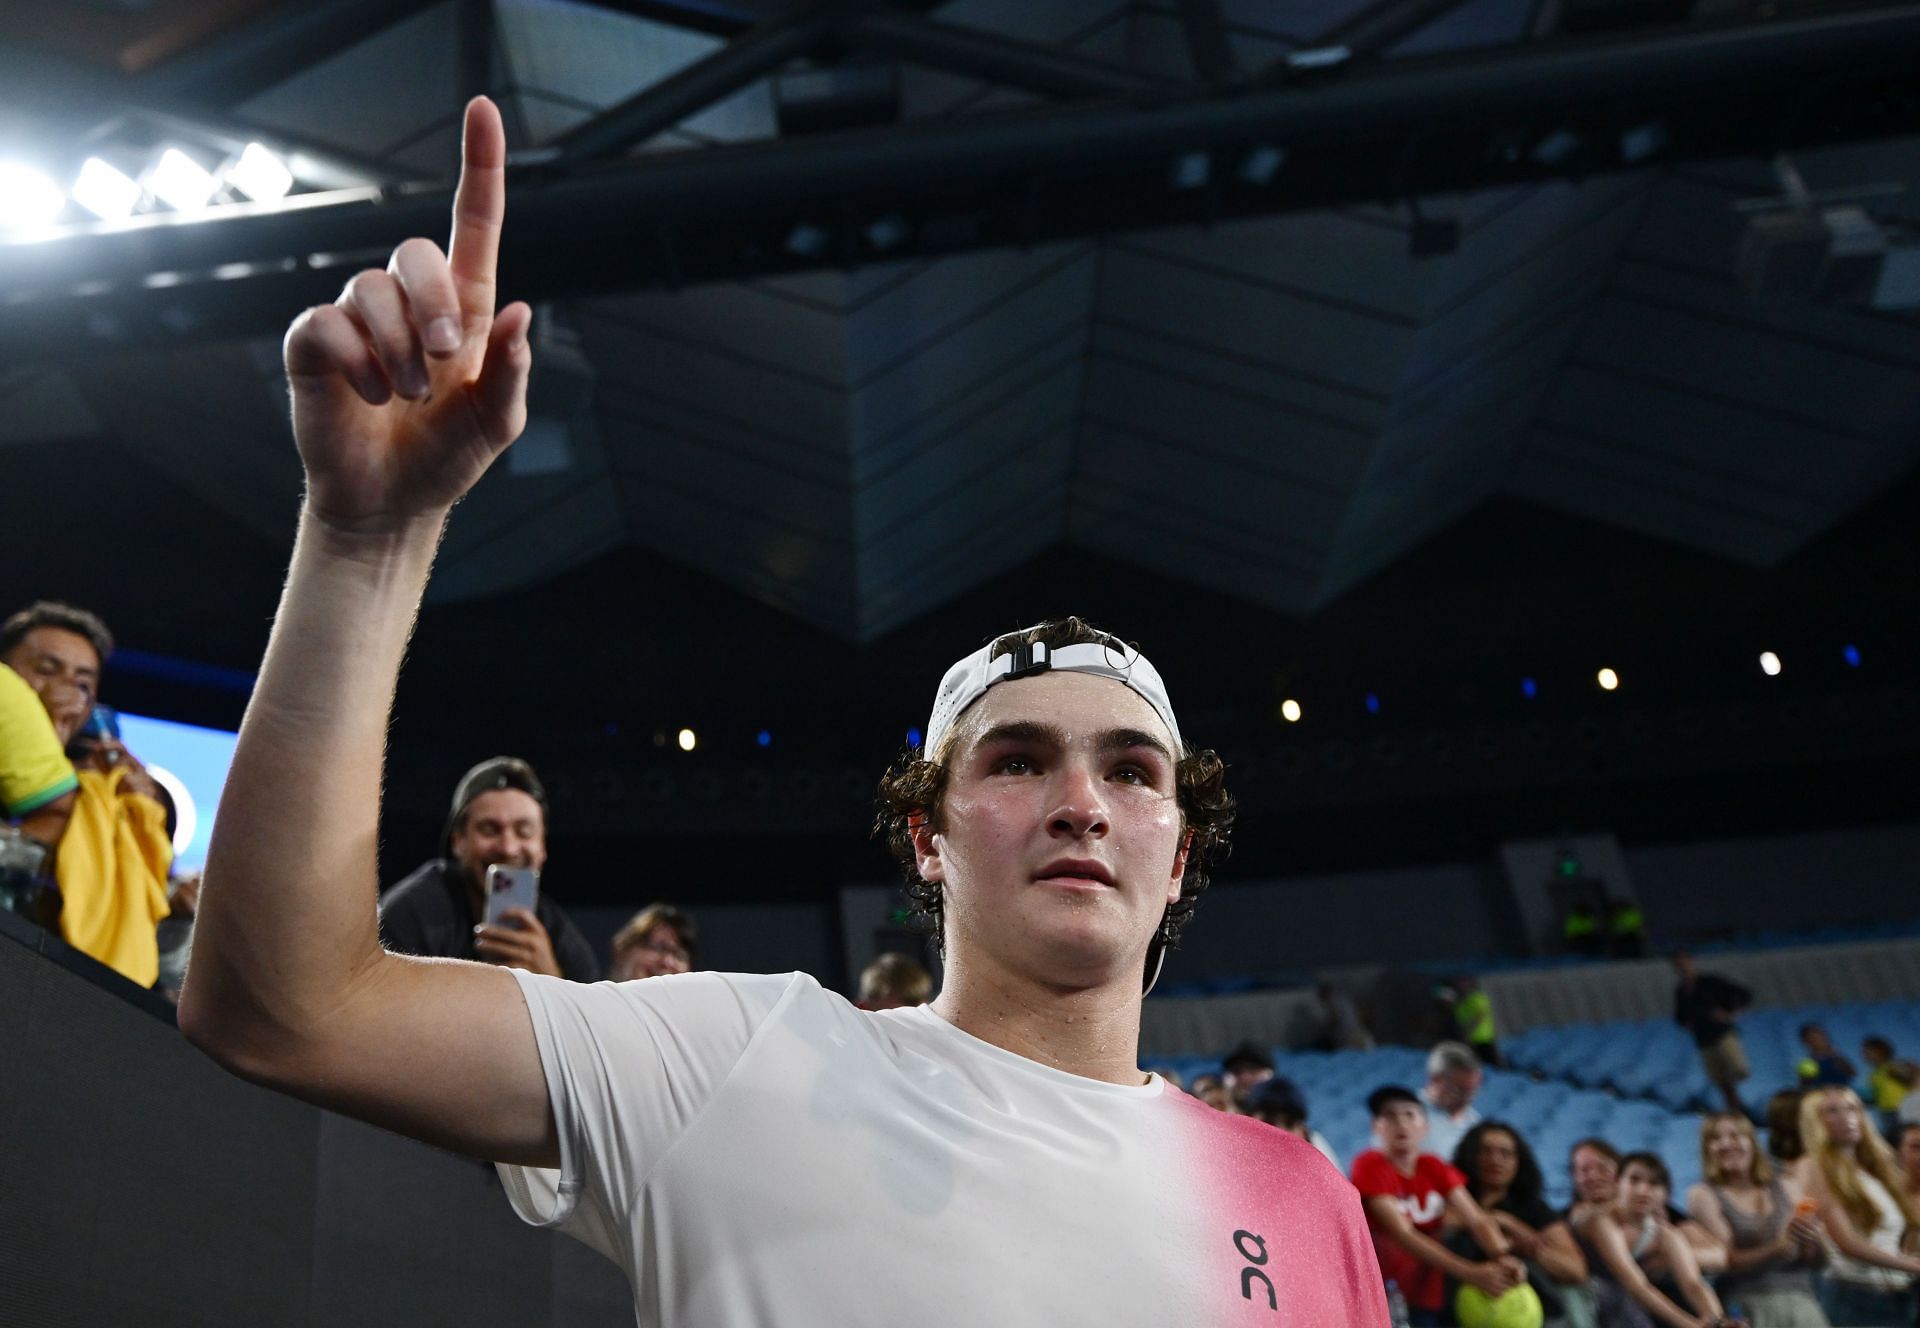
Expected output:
(1410, 1197)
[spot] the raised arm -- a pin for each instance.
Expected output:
(404, 391)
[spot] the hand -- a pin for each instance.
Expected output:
(1525, 1240)
(109, 754)
(525, 944)
(184, 896)
(1803, 1231)
(408, 386)
(1496, 1277)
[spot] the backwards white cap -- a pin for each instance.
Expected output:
(968, 680)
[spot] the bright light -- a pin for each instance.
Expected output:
(913, 738)
(764, 738)
(1608, 680)
(28, 199)
(260, 175)
(1769, 663)
(1529, 688)
(1852, 655)
(687, 740)
(181, 182)
(105, 192)
(1290, 710)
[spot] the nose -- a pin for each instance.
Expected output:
(1081, 811)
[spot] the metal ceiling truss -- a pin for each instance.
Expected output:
(1361, 131)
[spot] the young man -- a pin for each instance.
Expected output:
(1409, 1196)
(751, 1150)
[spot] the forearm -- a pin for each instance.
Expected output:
(287, 921)
(1560, 1258)
(1753, 1258)
(49, 824)
(1431, 1252)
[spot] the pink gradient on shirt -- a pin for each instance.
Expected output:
(1275, 1213)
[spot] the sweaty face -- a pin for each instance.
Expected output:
(63, 669)
(1061, 843)
(1594, 1175)
(659, 952)
(504, 827)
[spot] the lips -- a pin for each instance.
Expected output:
(1071, 869)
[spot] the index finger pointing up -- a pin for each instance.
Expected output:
(479, 208)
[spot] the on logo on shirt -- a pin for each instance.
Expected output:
(1253, 1249)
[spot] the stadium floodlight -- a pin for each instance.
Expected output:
(1769, 663)
(104, 191)
(688, 740)
(181, 182)
(1608, 680)
(1290, 710)
(28, 199)
(260, 175)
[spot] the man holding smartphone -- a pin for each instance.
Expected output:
(753, 1151)
(498, 820)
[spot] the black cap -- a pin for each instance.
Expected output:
(496, 772)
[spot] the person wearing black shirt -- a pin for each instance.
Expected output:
(1504, 1179)
(1704, 1004)
(499, 816)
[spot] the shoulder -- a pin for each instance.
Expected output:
(424, 885)
(1702, 1199)
(1439, 1172)
(1373, 1171)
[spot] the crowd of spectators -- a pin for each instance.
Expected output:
(1819, 1224)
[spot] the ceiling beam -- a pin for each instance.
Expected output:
(993, 58)
(1373, 28)
(1393, 129)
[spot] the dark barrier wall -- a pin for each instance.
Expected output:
(142, 1185)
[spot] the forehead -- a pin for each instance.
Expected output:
(70, 648)
(504, 805)
(1080, 703)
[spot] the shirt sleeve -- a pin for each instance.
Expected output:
(629, 1066)
(1447, 1177)
(33, 769)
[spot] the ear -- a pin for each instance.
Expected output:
(1179, 867)
(926, 848)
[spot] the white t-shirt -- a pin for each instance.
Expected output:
(754, 1151)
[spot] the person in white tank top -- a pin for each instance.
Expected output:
(1852, 1174)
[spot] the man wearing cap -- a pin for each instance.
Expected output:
(751, 1150)
(499, 817)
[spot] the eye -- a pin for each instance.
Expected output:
(1018, 764)
(1132, 774)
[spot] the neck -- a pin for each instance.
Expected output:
(1093, 1032)
(1492, 1195)
(1404, 1159)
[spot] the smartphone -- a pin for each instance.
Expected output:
(511, 887)
(103, 722)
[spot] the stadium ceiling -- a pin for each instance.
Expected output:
(855, 305)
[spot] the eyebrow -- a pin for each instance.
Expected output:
(1108, 742)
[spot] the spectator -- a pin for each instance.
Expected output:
(894, 981)
(1343, 1029)
(1281, 1104)
(1907, 1149)
(1244, 1069)
(1580, 930)
(1409, 1195)
(1619, 1221)
(1626, 928)
(1851, 1173)
(1783, 1126)
(1504, 1179)
(1888, 1081)
(37, 781)
(499, 817)
(1453, 1081)
(1709, 1251)
(660, 939)
(1212, 1090)
(1772, 1247)
(1473, 1018)
(1823, 1064)
(115, 848)
(1704, 1004)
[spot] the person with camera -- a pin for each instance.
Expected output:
(499, 819)
(752, 1149)
(115, 845)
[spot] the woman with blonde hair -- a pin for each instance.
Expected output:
(1772, 1243)
(1850, 1172)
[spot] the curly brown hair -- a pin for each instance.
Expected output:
(913, 791)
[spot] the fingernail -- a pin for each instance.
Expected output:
(443, 336)
(413, 382)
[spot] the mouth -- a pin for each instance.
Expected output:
(1075, 873)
